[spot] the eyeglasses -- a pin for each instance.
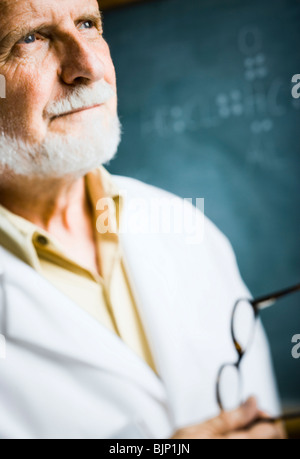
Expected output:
(243, 324)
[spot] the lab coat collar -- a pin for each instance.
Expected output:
(40, 318)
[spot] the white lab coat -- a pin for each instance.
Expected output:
(67, 376)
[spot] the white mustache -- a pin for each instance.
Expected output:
(81, 97)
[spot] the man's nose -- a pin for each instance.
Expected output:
(80, 61)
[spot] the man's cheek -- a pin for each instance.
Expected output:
(9, 109)
(21, 114)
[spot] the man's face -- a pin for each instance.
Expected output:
(55, 60)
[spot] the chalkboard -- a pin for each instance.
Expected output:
(205, 98)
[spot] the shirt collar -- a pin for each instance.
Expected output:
(18, 234)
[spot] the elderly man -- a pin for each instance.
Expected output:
(107, 334)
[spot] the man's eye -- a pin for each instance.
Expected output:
(88, 24)
(28, 40)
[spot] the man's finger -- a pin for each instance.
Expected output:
(266, 431)
(239, 419)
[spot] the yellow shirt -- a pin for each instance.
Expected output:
(108, 298)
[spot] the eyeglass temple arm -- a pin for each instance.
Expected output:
(267, 301)
(284, 418)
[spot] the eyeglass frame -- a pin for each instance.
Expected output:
(258, 305)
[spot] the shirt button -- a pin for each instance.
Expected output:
(41, 240)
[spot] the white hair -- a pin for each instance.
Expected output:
(61, 155)
(81, 97)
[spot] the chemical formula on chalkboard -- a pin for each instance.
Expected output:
(260, 98)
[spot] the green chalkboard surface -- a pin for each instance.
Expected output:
(205, 98)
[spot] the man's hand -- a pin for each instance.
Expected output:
(236, 425)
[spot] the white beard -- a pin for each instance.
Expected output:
(60, 155)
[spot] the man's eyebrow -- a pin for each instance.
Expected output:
(25, 29)
(20, 32)
(94, 15)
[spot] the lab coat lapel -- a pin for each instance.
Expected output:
(153, 281)
(40, 318)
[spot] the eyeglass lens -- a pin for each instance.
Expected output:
(243, 325)
(230, 388)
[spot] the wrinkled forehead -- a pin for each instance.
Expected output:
(15, 6)
(11, 6)
(17, 13)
